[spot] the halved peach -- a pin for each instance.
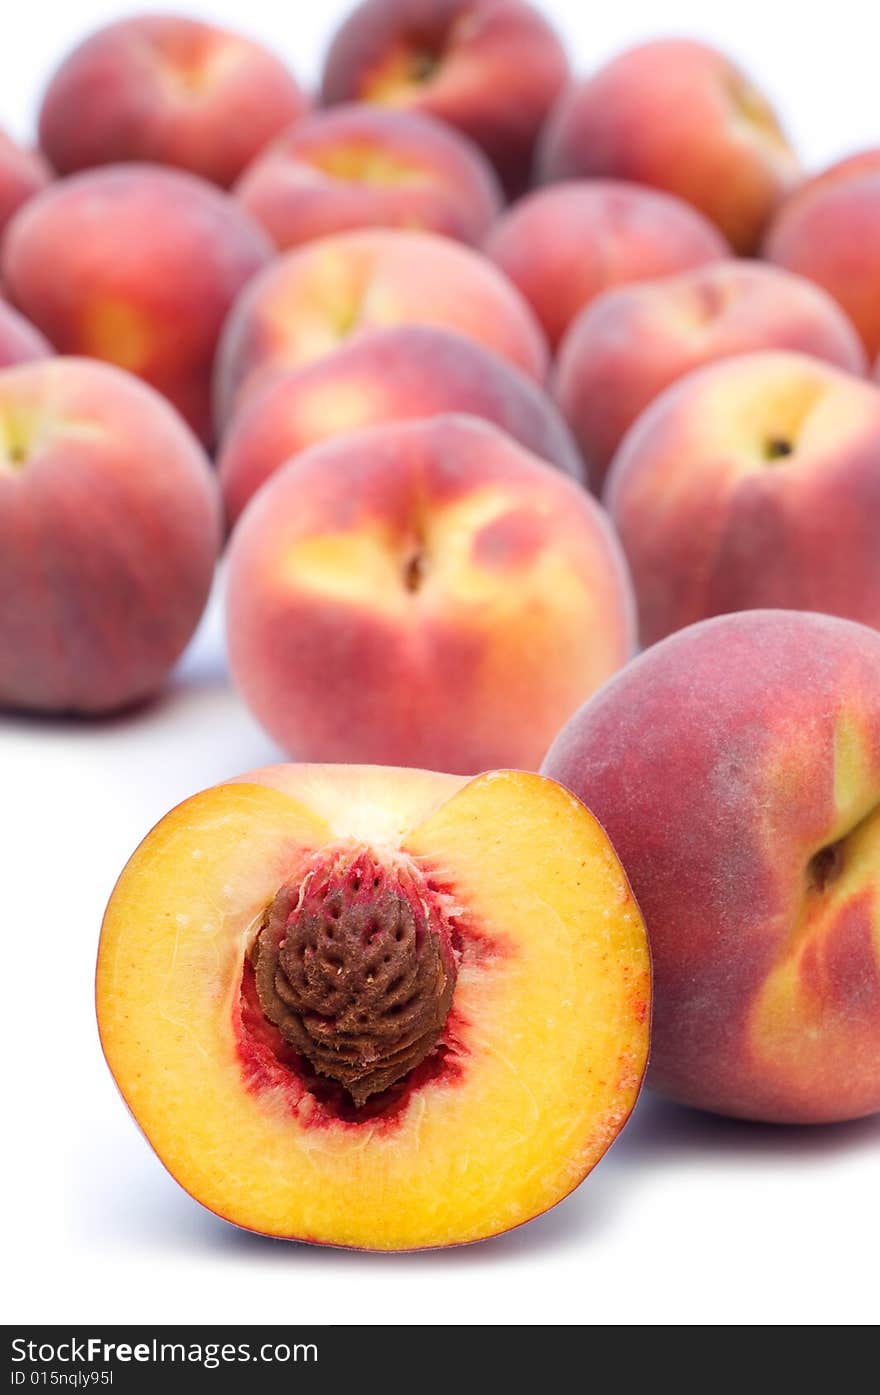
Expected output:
(378, 1008)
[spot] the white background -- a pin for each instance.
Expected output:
(688, 1219)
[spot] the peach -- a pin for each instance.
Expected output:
(736, 767)
(634, 341)
(491, 68)
(563, 246)
(829, 230)
(109, 530)
(682, 117)
(23, 173)
(424, 593)
(359, 166)
(752, 483)
(167, 89)
(311, 301)
(391, 375)
(136, 265)
(384, 1009)
(20, 342)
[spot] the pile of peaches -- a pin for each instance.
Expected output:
(482, 377)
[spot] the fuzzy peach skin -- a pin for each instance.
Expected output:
(109, 530)
(681, 116)
(563, 246)
(20, 341)
(359, 166)
(829, 230)
(311, 302)
(402, 374)
(23, 173)
(491, 68)
(736, 768)
(167, 89)
(425, 593)
(532, 1066)
(139, 266)
(634, 341)
(752, 483)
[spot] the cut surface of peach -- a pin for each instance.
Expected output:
(378, 1008)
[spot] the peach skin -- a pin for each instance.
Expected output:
(20, 341)
(829, 230)
(681, 116)
(109, 530)
(490, 68)
(168, 89)
(563, 246)
(312, 301)
(752, 483)
(139, 266)
(425, 593)
(402, 374)
(736, 767)
(634, 341)
(359, 166)
(23, 173)
(382, 1009)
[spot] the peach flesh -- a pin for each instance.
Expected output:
(401, 374)
(736, 766)
(465, 1144)
(492, 69)
(167, 89)
(359, 166)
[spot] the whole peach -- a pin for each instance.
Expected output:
(109, 530)
(752, 483)
(359, 166)
(563, 246)
(634, 341)
(23, 173)
(491, 68)
(139, 266)
(20, 342)
(398, 374)
(425, 593)
(681, 116)
(168, 89)
(829, 230)
(736, 768)
(313, 300)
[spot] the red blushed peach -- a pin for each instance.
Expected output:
(491, 68)
(736, 768)
(167, 89)
(682, 117)
(109, 530)
(20, 342)
(384, 1009)
(634, 341)
(752, 483)
(399, 374)
(563, 246)
(424, 594)
(23, 173)
(829, 230)
(136, 265)
(359, 166)
(312, 301)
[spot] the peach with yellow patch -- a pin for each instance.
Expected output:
(23, 173)
(168, 89)
(680, 116)
(750, 483)
(138, 266)
(423, 594)
(310, 302)
(360, 166)
(492, 912)
(736, 766)
(402, 374)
